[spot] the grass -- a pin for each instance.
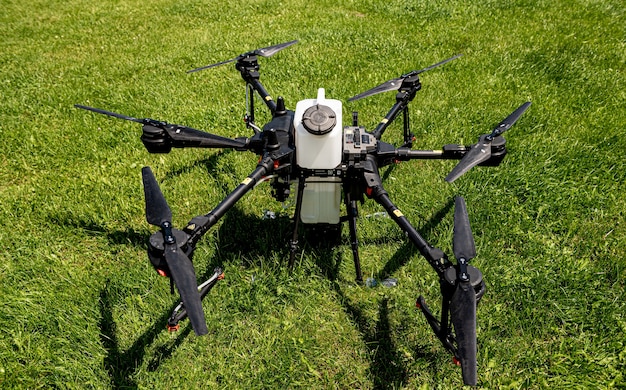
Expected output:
(83, 308)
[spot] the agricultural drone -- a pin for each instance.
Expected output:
(314, 150)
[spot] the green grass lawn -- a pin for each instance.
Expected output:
(82, 307)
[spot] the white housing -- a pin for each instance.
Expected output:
(321, 200)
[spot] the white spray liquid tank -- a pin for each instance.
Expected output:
(319, 144)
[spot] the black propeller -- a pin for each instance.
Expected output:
(481, 151)
(463, 240)
(263, 52)
(463, 302)
(116, 115)
(180, 267)
(395, 84)
(182, 136)
(463, 315)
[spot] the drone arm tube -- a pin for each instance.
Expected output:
(391, 115)
(198, 226)
(408, 89)
(435, 257)
(449, 152)
(387, 154)
(260, 89)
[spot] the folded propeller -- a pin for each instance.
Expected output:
(463, 301)
(462, 288)
(263, 52)
(171, 241)
(481, 151)
(396, 83)
(163, 135)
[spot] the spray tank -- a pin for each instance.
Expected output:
(318, 138)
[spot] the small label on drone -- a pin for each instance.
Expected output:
(246, 181)
(385, 120)
(268, 98)
(398, 213)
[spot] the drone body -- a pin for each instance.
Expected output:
(312, 149)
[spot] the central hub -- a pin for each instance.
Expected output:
(319, 119)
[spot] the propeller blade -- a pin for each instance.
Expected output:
(184, 275)
(157, 210)
(395, 84)
(271, 50)
(263, 52)
(387, 86)
(213, 65)
(438, 64)
(463, 240)
(463, 316)
(109, 113)
(510, 120)
(479, 153)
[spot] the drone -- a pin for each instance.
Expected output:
(312, 149)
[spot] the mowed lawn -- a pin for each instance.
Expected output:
(83, 308)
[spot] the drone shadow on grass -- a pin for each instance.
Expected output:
(122, 365)
(387, 369)
(242, 234)
(404, 254)
(387, 366)
(129, 236)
